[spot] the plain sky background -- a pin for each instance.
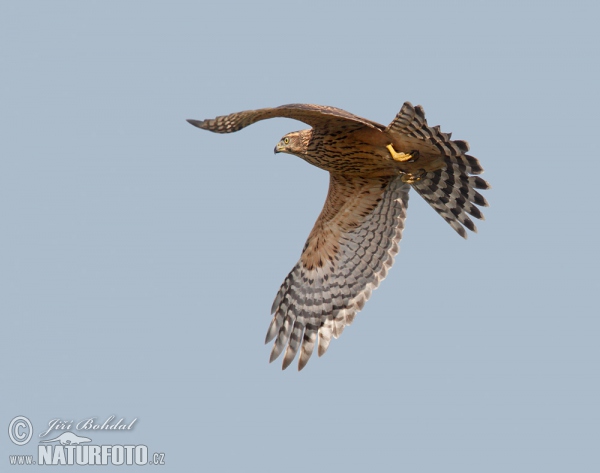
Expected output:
(139, 256)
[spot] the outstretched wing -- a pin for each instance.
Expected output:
(313, 115)
(346, 256)
(452, 190)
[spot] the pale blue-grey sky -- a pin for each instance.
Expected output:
(140, 256)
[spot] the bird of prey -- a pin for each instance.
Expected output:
(355, 238)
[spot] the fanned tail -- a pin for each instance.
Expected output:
(451, 191)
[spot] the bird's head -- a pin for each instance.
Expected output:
(293, 143)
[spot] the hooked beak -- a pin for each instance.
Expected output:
(277, 148)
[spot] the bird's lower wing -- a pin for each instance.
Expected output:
(313, 115)
(346, 256)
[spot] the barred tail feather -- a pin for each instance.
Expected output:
(452, 192)
(411, 121)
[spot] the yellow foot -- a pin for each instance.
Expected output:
(402, 157)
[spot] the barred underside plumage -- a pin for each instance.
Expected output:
(323, 300)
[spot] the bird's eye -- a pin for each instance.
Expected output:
(286, 140)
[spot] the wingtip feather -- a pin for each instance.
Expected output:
(196, 123)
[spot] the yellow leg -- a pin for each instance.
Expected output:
(401, 157)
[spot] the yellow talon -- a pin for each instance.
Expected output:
(401, 157)
(411, 178)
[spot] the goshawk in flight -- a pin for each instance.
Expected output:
(355, 239)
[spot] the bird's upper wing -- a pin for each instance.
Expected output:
(313, 115)
(346, 256)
